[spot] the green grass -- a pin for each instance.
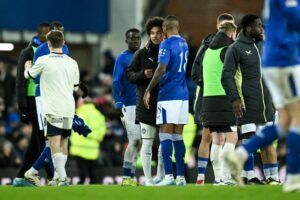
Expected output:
(104, 192)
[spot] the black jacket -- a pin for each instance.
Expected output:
(25, 105)
(196, 76)
(242, 78)
(145, 58)
(217, 110)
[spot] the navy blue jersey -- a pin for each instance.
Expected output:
(124, 93)
(281, 46)
(43, 50)
(173, 52)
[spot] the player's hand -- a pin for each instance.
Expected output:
(24, 115)
(147, 99)
(28, 64)
(148, 73)
(120, 113)
(237, 108)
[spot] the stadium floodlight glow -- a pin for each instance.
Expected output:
(6, 46)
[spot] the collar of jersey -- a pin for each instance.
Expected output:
(174, 36)
(57, 53)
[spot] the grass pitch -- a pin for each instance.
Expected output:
(105, 192)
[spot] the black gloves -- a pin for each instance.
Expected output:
(24, 115)
(84, 89)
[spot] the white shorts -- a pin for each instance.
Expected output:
(148, 131)
(172, 112)
(40, 114)
(129, 121)
(56, 125)
(283, 84)
(247, 128)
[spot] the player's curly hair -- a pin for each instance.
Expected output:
(153, 22)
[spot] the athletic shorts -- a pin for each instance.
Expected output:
(148, 131)
(58, 126)
(172, 112)
(40, 114)
(129, 122)
(219, 129)
(283, 84)
(248, 128)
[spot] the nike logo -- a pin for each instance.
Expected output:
(151, 59)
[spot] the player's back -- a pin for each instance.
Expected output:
(58, 78)
(173, 52)
(281, 47)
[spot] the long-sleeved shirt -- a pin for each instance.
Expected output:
(124, 93)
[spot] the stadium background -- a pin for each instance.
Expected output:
(95, 36)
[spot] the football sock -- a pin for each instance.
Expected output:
(215, 158)
(293, 151)
(146, 157)
(202, 164)
(160, 165)
(167, 151)
(274, 171)
(228, 147)
(58, 162)
(179, 153)
(267, 171)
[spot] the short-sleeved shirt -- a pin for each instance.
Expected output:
(59, 76)
(173, 52)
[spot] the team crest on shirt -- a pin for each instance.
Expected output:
(143, 131)
(162, 52)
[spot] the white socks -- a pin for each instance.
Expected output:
(146, 156)
(215, 158)
(160, 165)
(227, 148)
(59, 162)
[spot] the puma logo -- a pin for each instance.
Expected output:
(151, 59)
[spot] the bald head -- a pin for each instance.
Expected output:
(171, 22)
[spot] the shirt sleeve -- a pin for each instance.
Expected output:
(76, 77)
(164, 53)
(35, 70)
(117, 86)
(291, 9)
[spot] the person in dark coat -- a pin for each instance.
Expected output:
(245, 87)
(217, 113)
(140, 72)
(196, 75)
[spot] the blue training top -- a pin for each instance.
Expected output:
(124, 93)
(173, 52)
(43, 50)
(282, 44)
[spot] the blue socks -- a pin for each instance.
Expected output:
(262, 139)
(127, 167)
(167, 141)
(202, 164)
(44, 158)
(179, 153)
(249, 164)
(166, 151)
(293, 152)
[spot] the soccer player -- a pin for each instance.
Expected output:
(140, 72)
(172, 105)
(59, 79)
(45, 157)
(124, 94)
(27, 106)
(281, 68)
(203, 151)
(217, 113)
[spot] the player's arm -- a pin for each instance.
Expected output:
(291, 9)
(228, 80)
(134, 72)
(35, 70)
(117, 86)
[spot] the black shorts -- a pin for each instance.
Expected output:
(219, 129)
(54, 131)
